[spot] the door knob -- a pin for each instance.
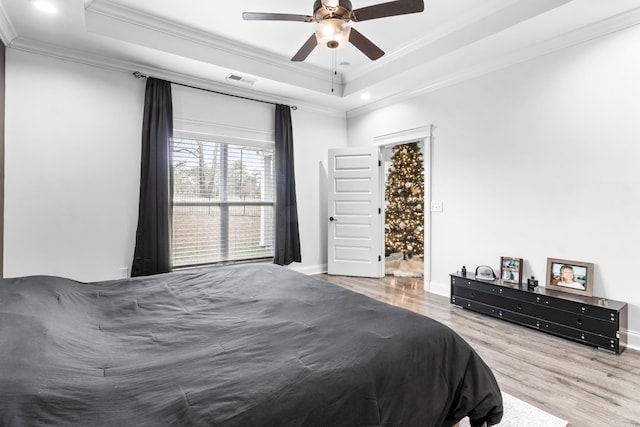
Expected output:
(332, 218)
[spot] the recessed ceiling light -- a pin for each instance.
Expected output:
(365, 96)
(44, 6)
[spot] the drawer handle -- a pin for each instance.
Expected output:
(579, 321)
(519, 307)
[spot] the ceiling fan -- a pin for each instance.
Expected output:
(333, 30)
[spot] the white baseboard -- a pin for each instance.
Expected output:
(633, 340)
(437, 288)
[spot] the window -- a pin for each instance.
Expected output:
(223, 204)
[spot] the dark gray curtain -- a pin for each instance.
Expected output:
(287, 245)
(152, 254)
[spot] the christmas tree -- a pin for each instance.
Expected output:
(404, 192)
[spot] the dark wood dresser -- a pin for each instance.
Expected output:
(597, 322)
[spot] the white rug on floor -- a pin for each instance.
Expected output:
(520, 414)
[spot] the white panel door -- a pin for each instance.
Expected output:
(356, 221)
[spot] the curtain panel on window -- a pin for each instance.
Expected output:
(152, 253)
(287, 236)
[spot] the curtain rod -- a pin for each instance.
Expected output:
(139, 75)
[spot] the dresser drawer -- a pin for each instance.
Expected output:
(595, 340)
(494, 289)
(590, 310)
(565, 303)
(611, 343)
(542, 312)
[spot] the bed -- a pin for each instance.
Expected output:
(249, 345)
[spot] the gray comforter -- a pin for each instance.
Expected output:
(253, 345)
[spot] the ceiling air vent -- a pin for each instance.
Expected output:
(236, 79)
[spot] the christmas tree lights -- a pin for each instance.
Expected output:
(404, 193)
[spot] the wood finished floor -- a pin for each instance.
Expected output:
(580, 384)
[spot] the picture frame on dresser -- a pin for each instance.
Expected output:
(574, 277)
(511, 270)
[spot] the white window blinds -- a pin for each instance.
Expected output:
(223, 201)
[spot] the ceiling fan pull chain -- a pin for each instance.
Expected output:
(334, 71)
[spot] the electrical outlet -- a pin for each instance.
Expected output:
(124, 272)
(436, 206)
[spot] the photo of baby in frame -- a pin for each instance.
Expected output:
(574, 277)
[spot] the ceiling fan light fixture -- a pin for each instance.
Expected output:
(332, 19)
(333, 33)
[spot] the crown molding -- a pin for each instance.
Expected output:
(141, 19)
(582, 35)
(128, 67)
(415, 46)
(7, 31)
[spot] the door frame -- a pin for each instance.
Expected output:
(422, 135)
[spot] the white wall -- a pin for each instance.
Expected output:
(538, 160)
(72, 169)
(314, 135)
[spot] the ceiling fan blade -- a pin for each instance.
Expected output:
(257, 16)
(365, 45)
(306, 49)
(392, 8)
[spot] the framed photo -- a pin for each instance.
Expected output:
(511, 270)
(575, 277)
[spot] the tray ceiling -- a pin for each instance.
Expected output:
(203, 42)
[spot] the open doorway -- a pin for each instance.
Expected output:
(404, 195)
(356, 207)
(423, 134)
